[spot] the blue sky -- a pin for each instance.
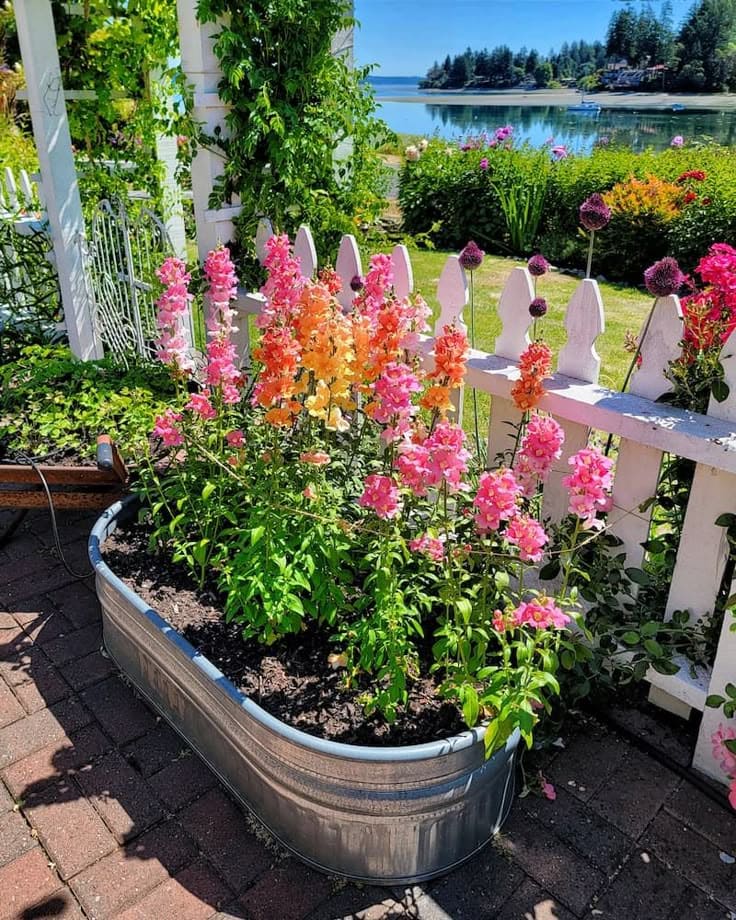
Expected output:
(406, 36)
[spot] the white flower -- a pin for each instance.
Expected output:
(412, 153)
(423, 144)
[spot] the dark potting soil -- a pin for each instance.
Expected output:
(291, 679)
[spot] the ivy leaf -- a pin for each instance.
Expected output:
(638, 576)
(725, 520)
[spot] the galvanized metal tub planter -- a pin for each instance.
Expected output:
(384, 815)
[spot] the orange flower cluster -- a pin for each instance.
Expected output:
(316, 359)
(650, 198)
(535, 365)
(450, 362)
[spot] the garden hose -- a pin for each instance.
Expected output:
(52, 512)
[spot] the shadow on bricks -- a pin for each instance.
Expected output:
(107, 834)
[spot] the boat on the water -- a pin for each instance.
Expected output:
(678, 107)
(585, 108)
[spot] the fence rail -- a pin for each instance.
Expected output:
(647, 429)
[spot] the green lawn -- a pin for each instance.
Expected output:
(625, 309)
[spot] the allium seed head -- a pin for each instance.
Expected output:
(538, 307)
(538, 265)
(664, 277)
(594, 213)
(471, 256)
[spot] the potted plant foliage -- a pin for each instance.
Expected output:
(329, 500)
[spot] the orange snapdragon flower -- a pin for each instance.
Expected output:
(535, 365)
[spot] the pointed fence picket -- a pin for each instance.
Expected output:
(646, 429)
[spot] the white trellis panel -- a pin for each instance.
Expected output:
(347, 266)
(403, 272)
(306, 251)
(584, 322)
(513, 308)
(638, 466)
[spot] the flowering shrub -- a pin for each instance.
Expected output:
(447, 195)
(335, 490)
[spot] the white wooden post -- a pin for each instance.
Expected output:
(37, 38)
(513, 308)
(637, 466)
(347, 266)
(403, 272)
(305, 251)
(452, 294)
(584, 322)
(701, 561)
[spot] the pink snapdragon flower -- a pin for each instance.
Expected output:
(412, 463)
(377, 284)
(394, 390)
(448, 458)
(496, 499)
(172, 309)
(589, 484)
(381, 494)
(167, 428)
(235, 438)
(541, 613)
(284, 284)
(725, 758)
(528, 535)
(221, 370)
(200, 404)
(432, 547)
(539, 448)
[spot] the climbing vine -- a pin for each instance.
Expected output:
(301, 129)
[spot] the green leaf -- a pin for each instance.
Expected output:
(654, 648)
(256, 535)
(731, 690)
(209, 488)
(631, 638)
(665, 666)
(725, 520)
(714, 701)
(638, 576)
(719, 389)
(550, 570)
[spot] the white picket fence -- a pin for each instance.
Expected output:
(646, 429)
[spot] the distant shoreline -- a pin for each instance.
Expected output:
(562, 97)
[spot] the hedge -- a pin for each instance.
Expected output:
(452, 195)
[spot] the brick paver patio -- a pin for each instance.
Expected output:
(104, 813)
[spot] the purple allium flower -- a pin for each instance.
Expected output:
(484, 163)
(594, 213)
(471, 256)
(356, 283)
(677, 141)
(664, 277)
(604, 141)
(538, 307)
(560, 152)
(538, 265)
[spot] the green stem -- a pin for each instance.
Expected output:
(632, 366)
(590, 254)
(472, 345)
(568, 565)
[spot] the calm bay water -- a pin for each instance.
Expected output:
(539, 124)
